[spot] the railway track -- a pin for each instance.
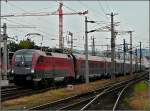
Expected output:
(12, 92)
(147, 80)
(78, 102)
(109, 98)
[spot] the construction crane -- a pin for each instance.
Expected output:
(59, 12)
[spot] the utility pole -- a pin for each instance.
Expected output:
(93, 46)
(124, 56)
(107, 50)
(140, 56)
(130, 32)
(136, 58)
(112, 46)
(86, 53)
(5, 51)
(0, 58)
(71, 34)
(86, 49)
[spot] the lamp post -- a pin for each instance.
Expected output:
(86, 49)
(36, 34)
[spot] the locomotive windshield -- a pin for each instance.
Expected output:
(18, 58)
(24, 56)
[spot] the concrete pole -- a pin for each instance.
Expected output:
(71, 34)
(112, 47)
(0, 54)
(86, 53)
(124, 56)
(149, 71)
(140, 56)
(5, 52)
(0, 58)
(107, 50)
(93, 46)
(136, 59)
(131, 52)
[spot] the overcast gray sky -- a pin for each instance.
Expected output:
(132, 15)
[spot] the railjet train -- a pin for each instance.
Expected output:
(38, 67)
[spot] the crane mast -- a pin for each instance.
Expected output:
(61, 40)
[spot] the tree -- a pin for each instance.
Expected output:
(26, 44)
(12, 46)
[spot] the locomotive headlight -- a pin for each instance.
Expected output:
(12, 71)
(32, 70)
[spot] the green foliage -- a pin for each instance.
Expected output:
(126, 100)
(141, 86)
(146, 106)
(13, 47)
(26, 44)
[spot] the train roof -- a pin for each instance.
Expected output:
(94, 58)
(24, 51)
(59, 55)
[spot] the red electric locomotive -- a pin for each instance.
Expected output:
(34, 66)
(40, 68)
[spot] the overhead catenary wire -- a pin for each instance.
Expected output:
(14, 22)
(27, 11)
(90, 9)
(107, 5)
(33, 25)
(30, 24)
(67, 8)
(102, 9)
(17, 7)
(96, 22)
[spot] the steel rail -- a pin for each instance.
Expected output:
(99, 95)
(123, 91)
(88, 100)
(107, 91)
(67, 102)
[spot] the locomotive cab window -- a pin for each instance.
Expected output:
(18, 58)
(24, 56)
(28, 57)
